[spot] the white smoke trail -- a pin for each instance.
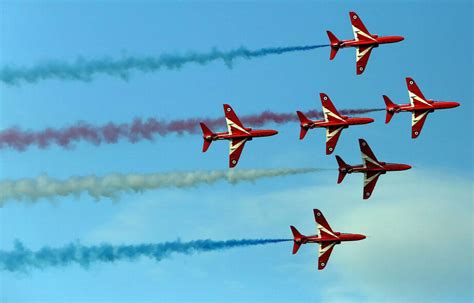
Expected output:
(112, 185)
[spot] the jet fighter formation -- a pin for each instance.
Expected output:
(334, 123)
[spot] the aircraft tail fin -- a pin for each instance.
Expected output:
(297, 239)
(342, 169)
(304, 124)
(207, 135)
(334, 44)
(391, 108)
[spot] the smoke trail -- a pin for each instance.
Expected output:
(112, 185)
(138, 130)
(23, 259)
(85, 69)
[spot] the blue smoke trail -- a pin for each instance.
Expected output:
(22, 259)
(84, 69)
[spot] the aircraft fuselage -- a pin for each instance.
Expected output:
(346, 123)
(383, 168)
(375, 42)
(341, 237)
(435, 105)
(251, 134)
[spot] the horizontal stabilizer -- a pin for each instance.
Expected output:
(304, 123)
(334, 45)
(342, 169)
(297, 239)
(390, 108)
(207, 135)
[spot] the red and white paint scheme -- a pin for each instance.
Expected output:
(371, 168)
(363, 41)
(419, 107)
(333, 121)
(326, 238)
(237, 135)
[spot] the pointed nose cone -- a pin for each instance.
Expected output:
(405, 166)
(369, 120)
(455, 104)
(273, 132)
(359, 237)
(398, 38)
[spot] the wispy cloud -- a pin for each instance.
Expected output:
(419, 245)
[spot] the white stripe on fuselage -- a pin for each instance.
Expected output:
(324, 229)
(231, 124)
(359, 32)
(368, 180)
(360, 55)
(414, 97)
(330, 135)
(415, 119)
(233, 148)
(328, 113)
(366, 159)
(322, 250)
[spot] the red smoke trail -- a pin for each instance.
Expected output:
(138, 130)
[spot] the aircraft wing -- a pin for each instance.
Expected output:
(325, 249)
(332, 135)
(234, 126)
(359, 29)
(323, 226)
(329, 110)
(362, 57)
(418, 119)
(236, 146)
(415, 94)
(370, 179)
(368, 157)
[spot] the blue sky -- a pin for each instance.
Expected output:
(417, 221)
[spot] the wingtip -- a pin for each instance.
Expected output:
(409, 81)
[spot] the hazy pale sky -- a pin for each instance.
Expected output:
(419, 222)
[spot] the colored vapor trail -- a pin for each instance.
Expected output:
(22, 259)
(139, 129)
(113, 185)
(85, 69)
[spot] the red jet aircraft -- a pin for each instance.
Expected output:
(326, 239)
(333, 121)
(237, 134)
(419, 107)
(371, 167)
(363, 41)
